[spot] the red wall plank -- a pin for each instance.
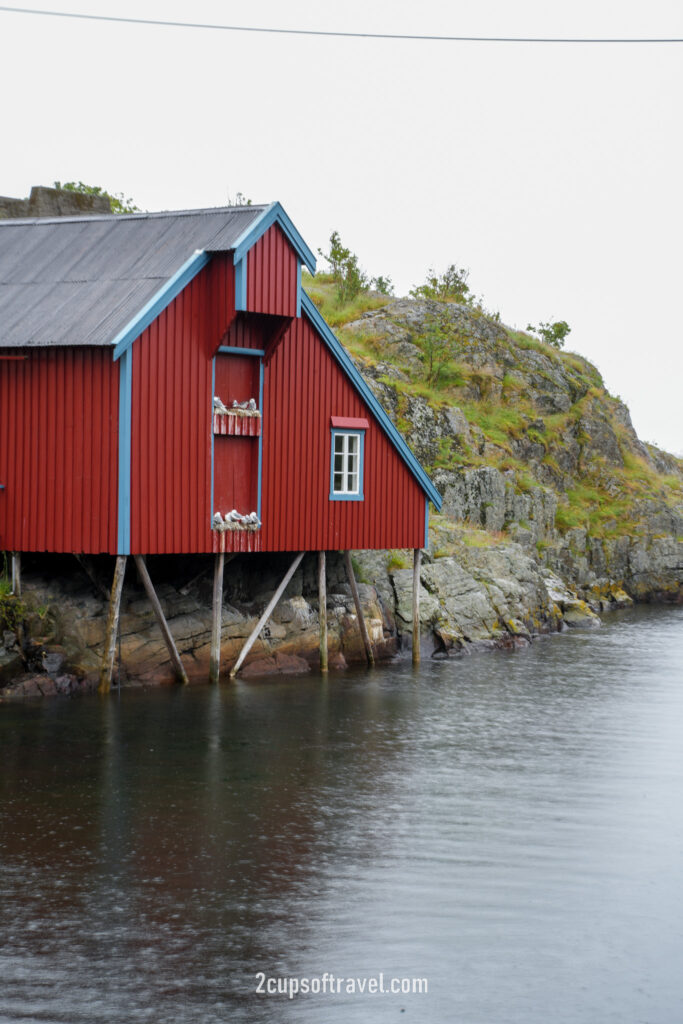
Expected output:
(58, 451)
(272, 268)
(303, 388)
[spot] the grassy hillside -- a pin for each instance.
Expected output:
(532, 410)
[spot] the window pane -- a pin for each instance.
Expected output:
(338, 462)
(338, 482)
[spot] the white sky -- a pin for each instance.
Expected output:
(553, 172)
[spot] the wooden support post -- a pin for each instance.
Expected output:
(16, 573)
(359, 611)
(112, 627)
(322, 610)
(163, 625)
(266, 615)
(217, 618)
(417, 562)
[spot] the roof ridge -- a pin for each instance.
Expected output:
(141, 215)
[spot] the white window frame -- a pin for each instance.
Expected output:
(346, 492)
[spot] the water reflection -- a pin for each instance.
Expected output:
(508, 826)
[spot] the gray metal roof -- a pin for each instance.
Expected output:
(80, 280)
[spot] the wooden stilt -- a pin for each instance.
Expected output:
(163, 625)
(112, 627)
(322, 610)
(417, 562)
(16, 573)
(217, 618)
(359, 611)
(266, 615)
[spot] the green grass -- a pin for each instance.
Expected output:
(323, 292)
(398, 560)
(498, 422)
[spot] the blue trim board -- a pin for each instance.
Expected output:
(260, 440)
(426, 543)
(361, 466)
(354, 375)
(166, 294)
(241, 284)
(235, 350)
(271, 215)
(125, 426)
(298, 289)
(213, 392)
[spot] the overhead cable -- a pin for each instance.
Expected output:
(332, 33)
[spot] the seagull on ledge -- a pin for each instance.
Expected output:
(218, 405)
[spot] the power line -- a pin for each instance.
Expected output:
(339, 35)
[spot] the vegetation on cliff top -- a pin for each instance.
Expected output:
(540, 413)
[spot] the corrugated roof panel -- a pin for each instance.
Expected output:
(79, 280)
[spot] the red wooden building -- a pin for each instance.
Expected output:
(166, 387)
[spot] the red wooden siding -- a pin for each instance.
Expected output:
(237, 378)
(247, 331)
(235, 482)
(272, 268)
(303, 388)
(172, 416)
(58, 451)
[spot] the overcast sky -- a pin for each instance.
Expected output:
(554, 173)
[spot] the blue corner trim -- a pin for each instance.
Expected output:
(158, 303)
(2, 487)
(361, 467)
(235, 350)
(298, 289)
(426, 543)
(213, 392)
(271, 215)
(260, 440)
(241, 284)
(356, 378)
(125, 425)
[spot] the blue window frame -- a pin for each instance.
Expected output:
(347, 465)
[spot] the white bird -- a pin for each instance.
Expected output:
(254, 519)
(239, 405)
(251, 404)
(218, 405)
(233, 517)
(218, 520)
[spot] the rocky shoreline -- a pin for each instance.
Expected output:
(477, 594)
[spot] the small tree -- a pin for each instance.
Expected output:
(346, 271)
(383, 285)
(451, 286)
(440, 343)
(117, 201)
(552, 333)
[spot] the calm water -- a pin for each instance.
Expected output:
(508, 826)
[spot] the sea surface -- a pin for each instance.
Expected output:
(507, 828)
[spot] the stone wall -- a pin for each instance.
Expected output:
(53, 202)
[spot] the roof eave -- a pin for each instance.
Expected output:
(159, 301)
(273, 214)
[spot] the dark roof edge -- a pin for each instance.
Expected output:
(257, 209)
